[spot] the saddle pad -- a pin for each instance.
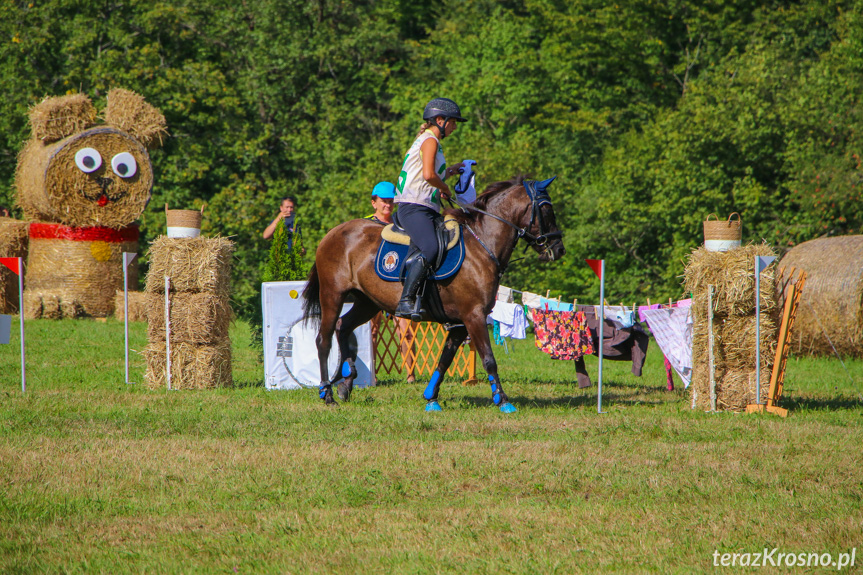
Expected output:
(390, 259)
(450, 223)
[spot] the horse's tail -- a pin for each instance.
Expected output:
(312, 297)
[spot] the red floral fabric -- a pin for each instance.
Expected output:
(562, 334)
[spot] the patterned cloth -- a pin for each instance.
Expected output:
(562, 334)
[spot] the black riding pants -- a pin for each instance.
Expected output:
(419, 222)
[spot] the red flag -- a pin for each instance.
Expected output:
(596, 266)
(11, 263)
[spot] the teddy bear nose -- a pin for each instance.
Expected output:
(104, 183)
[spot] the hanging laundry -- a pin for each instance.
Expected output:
(554, 305)
(513, 323)
(504, 294)
(533, 300)
(643, 308)
(669, 373)
(618, 344)
(562, 335)
(623, 315)
(672, 329)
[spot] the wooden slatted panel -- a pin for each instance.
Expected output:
(418, 346)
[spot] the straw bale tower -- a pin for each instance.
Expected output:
(83, 185)
(732, 275)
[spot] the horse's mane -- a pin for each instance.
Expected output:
(489, 193)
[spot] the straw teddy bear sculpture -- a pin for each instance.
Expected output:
(82, 185)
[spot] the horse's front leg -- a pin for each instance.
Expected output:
(478, 330)
(450, 348)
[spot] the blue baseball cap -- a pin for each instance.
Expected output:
(384, 190)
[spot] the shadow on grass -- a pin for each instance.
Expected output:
(248, 383)
(608, 400)
(819, 403)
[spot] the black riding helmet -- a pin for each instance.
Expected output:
(442, 107)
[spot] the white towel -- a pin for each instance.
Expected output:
(504, 294)
(464, 187)
(511, 317)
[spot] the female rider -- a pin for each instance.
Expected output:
(418, 194)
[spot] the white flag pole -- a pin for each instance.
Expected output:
(168, 330)
(601, 324)
(757, 332)
(128, 257)
(21, 318)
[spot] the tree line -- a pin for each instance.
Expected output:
(652, 114)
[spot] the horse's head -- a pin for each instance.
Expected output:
(539, 223)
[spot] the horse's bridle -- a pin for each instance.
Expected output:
(538, 198)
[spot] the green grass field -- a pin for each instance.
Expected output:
(100, 477)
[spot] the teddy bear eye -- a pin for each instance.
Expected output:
(88, 160)
(124, 165)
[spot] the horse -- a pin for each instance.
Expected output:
(344, 266)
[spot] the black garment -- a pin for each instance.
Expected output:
(419, 222)
(618, 344)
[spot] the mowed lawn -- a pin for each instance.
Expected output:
(97, 476)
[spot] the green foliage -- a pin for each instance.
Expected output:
(285, 264)
(653, 114)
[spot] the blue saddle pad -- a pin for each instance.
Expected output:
(390, 259)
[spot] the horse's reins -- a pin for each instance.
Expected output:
(538, 198)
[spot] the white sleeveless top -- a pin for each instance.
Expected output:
(412, 187)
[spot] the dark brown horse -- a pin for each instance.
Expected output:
(344, 265)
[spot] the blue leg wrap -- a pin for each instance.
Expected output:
(346, 369)
(433, 387)
(495, 389)
(322, 391)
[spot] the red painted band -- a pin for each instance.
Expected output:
(92, 234)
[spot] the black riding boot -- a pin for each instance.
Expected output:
(409, 304)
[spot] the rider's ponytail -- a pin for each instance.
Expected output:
(425, 127)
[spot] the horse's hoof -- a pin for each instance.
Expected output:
(345, 389)
(508, 408)
(433, 406)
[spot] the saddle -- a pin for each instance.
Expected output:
(396, 249)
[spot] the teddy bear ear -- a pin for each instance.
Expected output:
(56, 118)
(132, 114)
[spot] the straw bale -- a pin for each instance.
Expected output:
(194, 265)
(137, 306)
(67, 278)
(132, 114)
(192, 366)
(732, 274)
(831, 305)
(51, 188)
(55, 118)
(13, 244)
(199, 318)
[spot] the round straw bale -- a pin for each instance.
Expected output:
(831, 305)
(192, 366)
(68, 278)
(13, 244)
(57, 117)
(137, 306)
(194, 265)
(199, 318)
(52, 188)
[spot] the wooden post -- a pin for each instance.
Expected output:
(710, 348)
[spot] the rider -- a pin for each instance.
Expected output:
(420, 187)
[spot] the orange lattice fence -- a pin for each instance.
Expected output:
(413, 348)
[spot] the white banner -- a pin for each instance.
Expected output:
(290, 353)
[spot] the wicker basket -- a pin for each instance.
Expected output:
(722, 236)
(184, 223)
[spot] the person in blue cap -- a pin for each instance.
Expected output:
(383, 195)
